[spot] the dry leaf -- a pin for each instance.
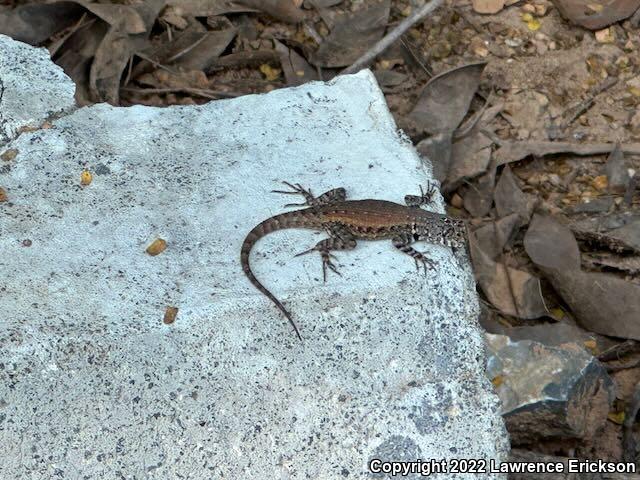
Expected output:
(601, 303)
(352, 35)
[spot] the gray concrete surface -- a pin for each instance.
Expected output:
(32, 88)
(94, 385)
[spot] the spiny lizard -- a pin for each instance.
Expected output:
(349, 220)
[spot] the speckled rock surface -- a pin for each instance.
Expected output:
(94, 385)
(32, 88)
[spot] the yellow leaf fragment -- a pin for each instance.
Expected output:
(592, 346)
(157, 247)
(600, 182)
(558, 313)
(269, 72)
(86, 177)
(616, 417)
(497, 381)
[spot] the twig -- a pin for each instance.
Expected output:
(587, 103)
(212, 94)
(514, 151)
(392, 36)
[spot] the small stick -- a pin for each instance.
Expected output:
(386, 41)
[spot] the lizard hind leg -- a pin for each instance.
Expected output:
(327, 198)
(339, 240)
(403, 243)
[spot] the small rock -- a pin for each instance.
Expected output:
(541, 9)
(605, 35)
(479, 47)
(528, 8)
(548, 391)
(457, 201)
(487, 6)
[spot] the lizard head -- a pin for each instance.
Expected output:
(448, 231)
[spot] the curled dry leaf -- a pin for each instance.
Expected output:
(596, 14)
(513, 292)
(600, 302)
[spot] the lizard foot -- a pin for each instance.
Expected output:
(425, 197)
(426, 263)
(297, 189)
(326, 261)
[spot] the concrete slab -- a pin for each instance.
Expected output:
(94, 385)
(32, 88)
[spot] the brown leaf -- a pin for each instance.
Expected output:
(36, 22)
(470, 157)
(77, 54)
(510, 199)
(115, 51)
(616, 171)
(296, 69)
(197, 50)
(125, 18)
(596, 14)
(446, 98)
(513, 292)
(493, 236)
(352, 35)
(479, 197)
(437, 149)
(601, 303)
(209, 8)
(284, 10)
(551, 245)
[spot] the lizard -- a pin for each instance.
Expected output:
(349, 220)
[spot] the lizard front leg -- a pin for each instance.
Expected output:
(327, 198)
(403, 243)
(341, 239)
(425, 198)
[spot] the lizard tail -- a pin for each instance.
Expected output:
(277, 222)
